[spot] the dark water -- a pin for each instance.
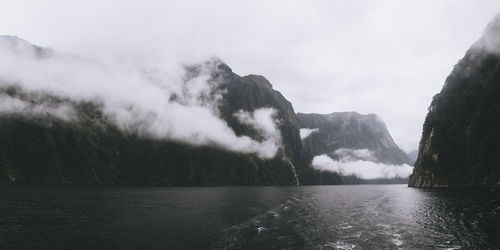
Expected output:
(317, 217)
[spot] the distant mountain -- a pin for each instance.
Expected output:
(460, 145)
(350, 130)
(413, 155)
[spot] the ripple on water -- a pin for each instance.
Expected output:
(273, 213)
(324, 217)
(260, 229)
(339, 245)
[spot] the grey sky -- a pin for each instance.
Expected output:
(383, 57)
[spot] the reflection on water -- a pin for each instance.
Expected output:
(368, 217)
(322, 217)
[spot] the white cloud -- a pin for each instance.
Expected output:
(362, 167)
(11, 105)
(263, 120)
(490, 40)
(383, 57)
(155, 104)
(306, 132)
(347, 154)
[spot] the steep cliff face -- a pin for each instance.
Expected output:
(47, 137)
(460, 145)
(254, 92)
(48, 149)
(350, 130)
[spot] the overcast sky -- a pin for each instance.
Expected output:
(383, 57)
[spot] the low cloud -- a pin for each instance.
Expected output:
(306, 132)
(263, 121)
(490, 40)
(11, 105)
(347, 154)
(175, 103)
(360, 164)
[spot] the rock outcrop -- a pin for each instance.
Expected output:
(460, 145)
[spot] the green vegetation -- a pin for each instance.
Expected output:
(87, 153)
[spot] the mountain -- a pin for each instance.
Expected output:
(66, 119)
(460, 144)
(241, 132)
(54, 138)
(93, 150)
(413, 155)
(349, 130)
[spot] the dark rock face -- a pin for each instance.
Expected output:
(353, 131)
(252, 92)
(58, 152)
(413, 155)
(460, 145)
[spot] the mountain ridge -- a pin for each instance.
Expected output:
(83, 140)
(353, 131)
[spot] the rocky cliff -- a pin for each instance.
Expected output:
(460, 145)
(350, 130)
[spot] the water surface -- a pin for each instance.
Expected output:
(311, 217)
